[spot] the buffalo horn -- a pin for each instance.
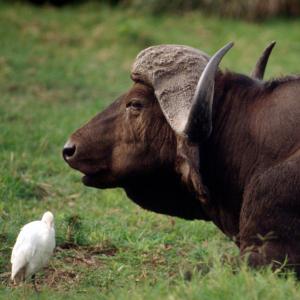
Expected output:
(199, 123)
(260, 67)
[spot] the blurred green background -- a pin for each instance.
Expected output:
(242, 9)
(59, 66)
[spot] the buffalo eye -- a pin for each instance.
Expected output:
(134, 104)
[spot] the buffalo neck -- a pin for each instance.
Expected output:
(227, 157)
(163, 192)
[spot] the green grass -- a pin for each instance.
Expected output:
(57, 69)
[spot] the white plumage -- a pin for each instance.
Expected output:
(33, 248)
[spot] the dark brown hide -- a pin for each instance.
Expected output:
(245, 177)
(251, 166)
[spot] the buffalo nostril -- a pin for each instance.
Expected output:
(68, 150)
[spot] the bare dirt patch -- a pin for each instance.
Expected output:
(71, 262)
(68, 266)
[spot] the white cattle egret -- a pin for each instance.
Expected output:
(33, 248)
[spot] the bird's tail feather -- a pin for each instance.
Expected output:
(19, 276)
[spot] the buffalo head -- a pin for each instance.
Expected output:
(127, 138)
(154, 128)
(148, 139)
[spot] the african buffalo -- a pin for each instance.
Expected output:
(192, 141)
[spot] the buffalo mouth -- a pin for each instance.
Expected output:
(98, 177)
(99, 180)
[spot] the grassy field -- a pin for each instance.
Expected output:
(57, 69)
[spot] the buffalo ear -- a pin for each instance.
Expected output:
(187, 166)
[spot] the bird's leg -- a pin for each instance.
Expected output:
(34, 284)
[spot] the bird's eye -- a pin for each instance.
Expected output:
(135, 104)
